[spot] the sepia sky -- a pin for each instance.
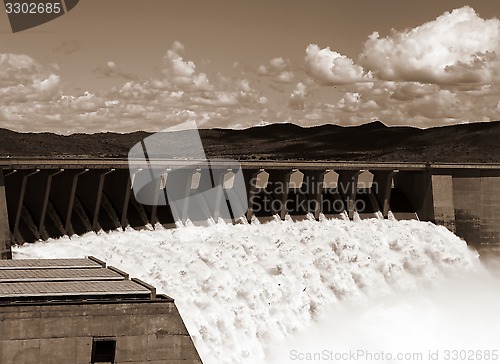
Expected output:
(124, 65)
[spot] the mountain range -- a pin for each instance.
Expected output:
(374, 142)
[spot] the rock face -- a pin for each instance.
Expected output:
(472, 143)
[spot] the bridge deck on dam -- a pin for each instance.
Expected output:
(52, 197)
(104, 163)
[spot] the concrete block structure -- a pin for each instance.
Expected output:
(64, 311)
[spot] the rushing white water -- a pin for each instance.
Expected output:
(287, 291)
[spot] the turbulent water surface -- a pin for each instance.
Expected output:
(328, 291)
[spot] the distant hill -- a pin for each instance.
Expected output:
(473, 143)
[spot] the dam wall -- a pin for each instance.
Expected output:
(49, 199)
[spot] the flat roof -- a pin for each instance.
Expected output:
(100, 288)
(58, 274)
(48, 263)
(28, 280)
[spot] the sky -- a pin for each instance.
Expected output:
(126, 65)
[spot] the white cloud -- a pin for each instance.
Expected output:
(85, 103)
(297, 98)
(23, 79)
(30, 99)
(445, 71)
(47, 85)
(457, 47)
(331, 68)
(410, 103)
(279, 68)
(278, 64)
(442, 72)
(286, 77)
(182, 73)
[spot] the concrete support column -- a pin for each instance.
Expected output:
(126, 199)
(5, 249)
(278, 186)
(43, 214)
(312, 185)
(20, 204)
(250, 177)
(113, 196)
(33, 204)
(234, 195)
(430, 194)
(347, 186)
(158, 191)
(442, 195)
(382, 184)
(489, 202)
(97, 206)
(201, 199)
(219, 204)
(417, 187)
(178, 190)
(68, 227)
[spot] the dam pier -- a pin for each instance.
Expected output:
(50, 198)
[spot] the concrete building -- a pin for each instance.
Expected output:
(64, 311)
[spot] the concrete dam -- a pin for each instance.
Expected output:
(50, 198)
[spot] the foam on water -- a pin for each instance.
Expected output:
(253, 293)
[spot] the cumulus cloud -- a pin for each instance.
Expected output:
(331, 68)
(410, 103)
(274, 66)
(445, 71)
(177, 94)
(23, 79)
(279, 68)
(85, 103)
(182, 73)
(31, 100)
(297, 98)
(457, 47)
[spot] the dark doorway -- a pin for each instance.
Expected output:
(103, 350)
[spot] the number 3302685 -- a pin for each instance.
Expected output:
(33, 8)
